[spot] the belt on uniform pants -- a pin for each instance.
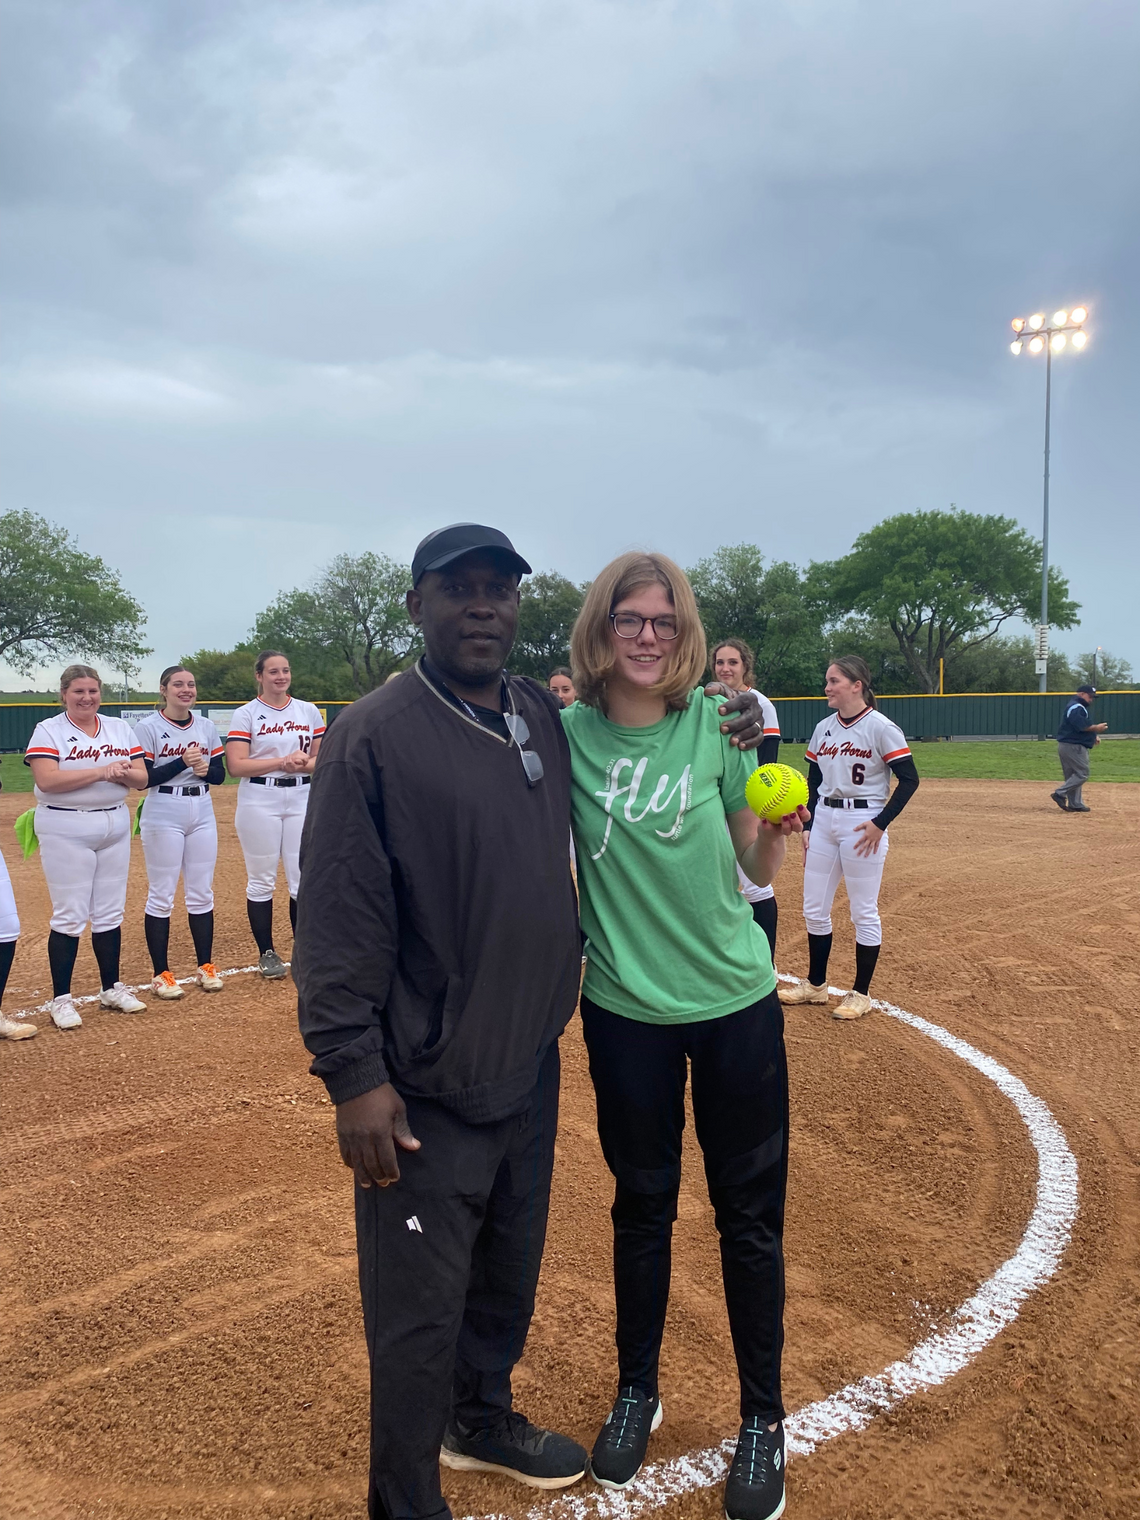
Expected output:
(280, 780)
(52, 808)
(183, 791)
(849, 802)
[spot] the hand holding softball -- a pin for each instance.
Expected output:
(789, 823)
(774, 792)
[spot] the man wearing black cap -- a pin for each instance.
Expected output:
(438, 959)
(1075, 738)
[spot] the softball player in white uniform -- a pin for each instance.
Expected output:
(10, 1029)
(850, 760)
(84, 766)
(272, 745)
(183, 755)
(733, 663)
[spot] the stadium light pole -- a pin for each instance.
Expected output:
(1067, 327)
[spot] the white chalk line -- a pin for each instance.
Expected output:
(971, 1327)
(183, 981)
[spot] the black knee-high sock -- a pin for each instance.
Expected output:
(157, 941)
(819, 949)
(62, 950)
(261, 922)
(865, 958)
(202, 933)
(293, 914)
(108, 948)
(766, 914)
(7, 951)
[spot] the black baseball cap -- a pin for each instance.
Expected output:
(1089, 691)
(447, 544)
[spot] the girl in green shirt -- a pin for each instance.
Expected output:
(678, 974)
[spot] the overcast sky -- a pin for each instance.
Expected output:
(286, 278)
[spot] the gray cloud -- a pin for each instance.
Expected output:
(285, 279)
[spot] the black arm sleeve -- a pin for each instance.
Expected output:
(906, 777)
(815, 781)
(216, 775)
(769, 750)
(344, 954)
(163, 775)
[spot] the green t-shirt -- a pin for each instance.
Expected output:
(671, 937)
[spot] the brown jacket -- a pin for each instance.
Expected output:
(437, 938)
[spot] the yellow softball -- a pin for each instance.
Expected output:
(774, 790)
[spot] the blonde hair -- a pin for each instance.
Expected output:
(591, 652)
(78, 673)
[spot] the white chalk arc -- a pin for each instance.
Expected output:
(971, 1327)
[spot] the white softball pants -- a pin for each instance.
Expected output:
(9, 918)
(831, 857)
(86, 857)
(179, 838)
(269, 821)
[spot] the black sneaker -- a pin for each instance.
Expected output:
(755, 1486)
(1061, 800)
(1079, 807)
(619, 1450)
(271, 966)
(517, 1449)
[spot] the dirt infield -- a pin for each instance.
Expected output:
(180, 1326)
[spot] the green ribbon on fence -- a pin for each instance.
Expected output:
(25, 830)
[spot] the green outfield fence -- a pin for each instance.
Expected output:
(993, 715)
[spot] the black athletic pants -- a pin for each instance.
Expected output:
(449, 1260)
(740, 1104)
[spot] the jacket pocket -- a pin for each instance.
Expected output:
(437, 1024)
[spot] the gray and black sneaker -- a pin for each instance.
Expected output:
(619, 1450)
(517, 1449)
(271, 966)
(1061, 800)
(755, 1486)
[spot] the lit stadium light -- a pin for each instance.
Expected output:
(1078, 314)
(1015, 346)
(1080, 339)
(1060, 318)
(1058, 342)
(1036, 345)
(1036, 321)
(1018, 324)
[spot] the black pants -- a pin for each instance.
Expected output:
(449, 1260)
(740, 1103)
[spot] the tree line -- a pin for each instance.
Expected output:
(917, 589)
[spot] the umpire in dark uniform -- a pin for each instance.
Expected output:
(1075, 738)
(437, 959)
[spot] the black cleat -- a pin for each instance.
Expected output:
(755, 1486)
(517, 1449)
(271, 966)
(619, 1450)
(1061, 800)
(1079, 807)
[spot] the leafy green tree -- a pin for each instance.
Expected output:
(768, 606)
(1007, 664)
(224, 675)
(349, 630)
(1103, 670)
(57, 602)
(548, 605)
(944, 582)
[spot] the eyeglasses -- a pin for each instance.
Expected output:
(520, 733)
(627, 625)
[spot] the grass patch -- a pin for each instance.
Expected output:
(1003, 760)
(1007, 760)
